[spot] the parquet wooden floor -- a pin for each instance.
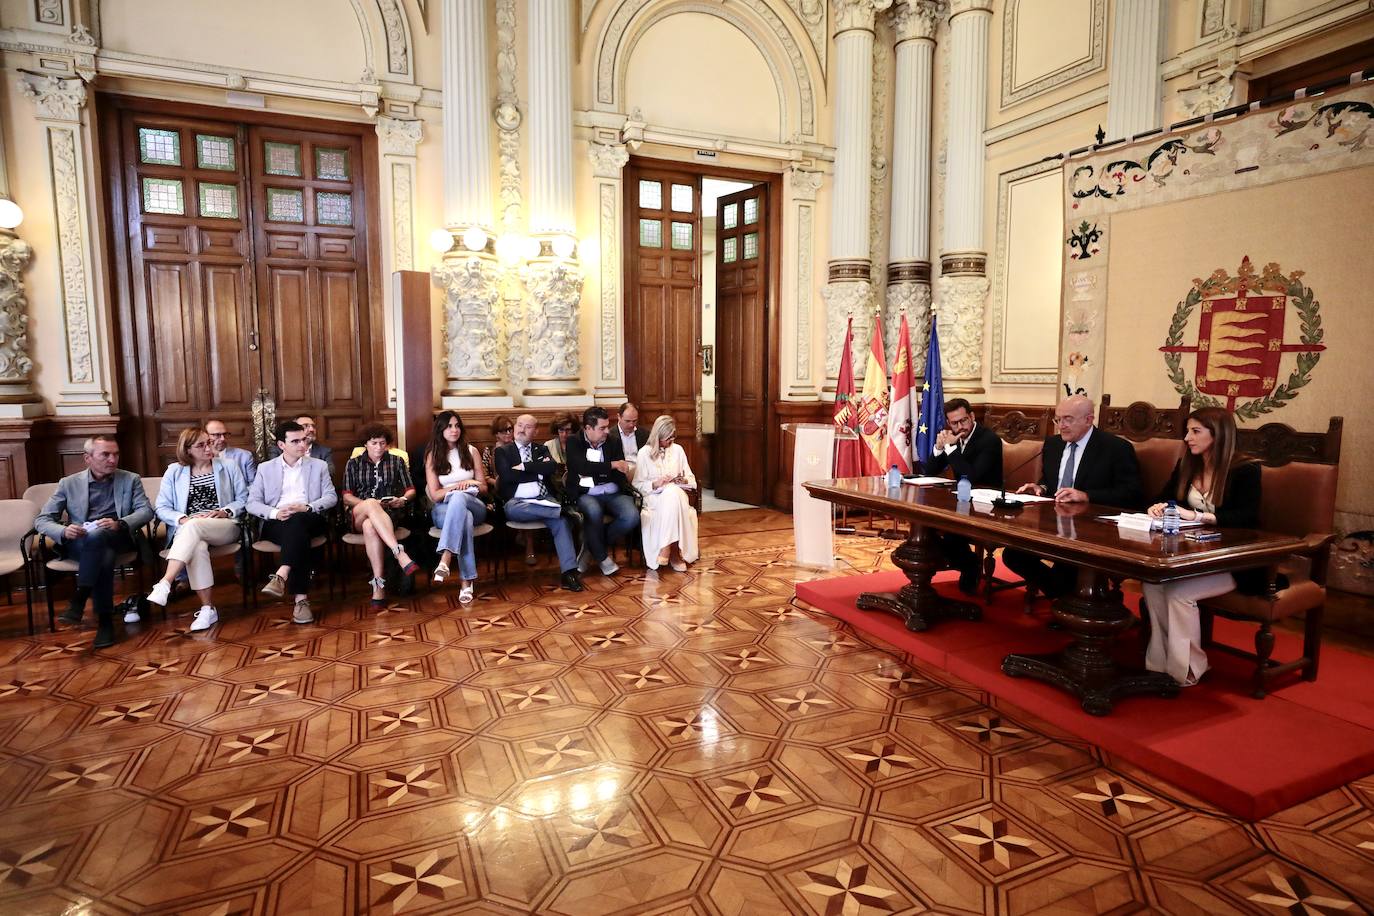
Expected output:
(657, 744)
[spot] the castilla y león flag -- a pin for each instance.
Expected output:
(903, 409)
(873, 405)
(847, 462)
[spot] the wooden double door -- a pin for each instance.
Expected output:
(244, 290)
(663, 315)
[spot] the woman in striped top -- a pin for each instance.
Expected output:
(200, 502)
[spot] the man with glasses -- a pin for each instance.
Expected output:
(525, 469)
(971, 451)
(219, 443)
(1082, 464)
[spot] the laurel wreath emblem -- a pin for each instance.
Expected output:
(1309, 313)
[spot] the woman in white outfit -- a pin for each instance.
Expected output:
(668, 522)
(200, 502)
(1210, 486)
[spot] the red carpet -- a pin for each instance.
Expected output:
(1247, 757)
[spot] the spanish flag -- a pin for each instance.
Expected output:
(903, 404)
(873, 404)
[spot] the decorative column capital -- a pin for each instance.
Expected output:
(56, 98)
(957, 7)
(607, 158)
(398, 136)
(857, 14)
(804, 182)
(912, 19)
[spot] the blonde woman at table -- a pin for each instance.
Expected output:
(1209, 485)
(668, 522)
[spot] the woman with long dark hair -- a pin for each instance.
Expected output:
(456, 484)
(1211, 485)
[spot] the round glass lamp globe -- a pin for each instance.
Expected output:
(530, 248)
(508, 248)
(10, 214)
(441, 240)
(564, 246)
(475, 239)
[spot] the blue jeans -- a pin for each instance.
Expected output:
(95, 557)
(457, 516)
(518, 510)
(624, 519)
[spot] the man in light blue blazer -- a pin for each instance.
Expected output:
(290, 493)
(219, 440)
(93, 517)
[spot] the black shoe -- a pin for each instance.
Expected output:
(71, 616)
(968, 581)
(104, 633)
(571, 581)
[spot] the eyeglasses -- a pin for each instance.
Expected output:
(218, 435)
(505, 432)
(1060, 421)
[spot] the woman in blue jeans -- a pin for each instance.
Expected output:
(456, 486)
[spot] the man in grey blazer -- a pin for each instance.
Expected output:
(93, 516)
(290, 493)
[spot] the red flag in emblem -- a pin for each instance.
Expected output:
(903, 404)
(847, 463)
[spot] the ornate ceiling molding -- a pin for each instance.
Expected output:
(1094, 62)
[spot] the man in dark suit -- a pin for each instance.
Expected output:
(968, 450)
(1083, 464)
(598, 483)
(627, 438)
(525, 469)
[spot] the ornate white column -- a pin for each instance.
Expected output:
(472, 328)
(59, 105)
(848, 290)
(608, 162)
(908, 267)
(799, 284)
(397, 140)
(1133, 93)
(552, 359)
(963, 285)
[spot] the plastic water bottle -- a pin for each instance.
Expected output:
(965, 490)
(894, 478)
(1171, 518)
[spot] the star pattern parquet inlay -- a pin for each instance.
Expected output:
(660, 743)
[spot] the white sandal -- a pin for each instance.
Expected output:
(440, 574)
(465, 593)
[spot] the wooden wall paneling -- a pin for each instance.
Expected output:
(414, 296)
(15, 453)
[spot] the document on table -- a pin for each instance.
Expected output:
(1143, 521)
(987, 495)
(926, 481)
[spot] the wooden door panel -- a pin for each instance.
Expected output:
(737, 471)
(342, 361)
(291, 373)
(172, 313)
(663, 303)
(232, 373)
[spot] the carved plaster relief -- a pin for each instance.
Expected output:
(1092, 60)
(397, 37)
(913, 300)
(508, 117)
(71, 245)
(609, 218)
(15, 365)
(961, 326)
(472, 291)
(845, 299)
(49, 12)
(552, 346)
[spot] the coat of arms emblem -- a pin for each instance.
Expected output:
(1241, 339)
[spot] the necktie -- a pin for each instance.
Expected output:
(524, 453)
(1066, 479)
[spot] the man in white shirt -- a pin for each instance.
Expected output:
(600, 485)
(627, 439)
(290, 493)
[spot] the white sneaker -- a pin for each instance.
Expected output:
(131, 616)
(608, 567)
(206, 618)
(161, 592)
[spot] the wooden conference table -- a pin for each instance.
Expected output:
(1072, 533)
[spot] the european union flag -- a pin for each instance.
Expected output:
(932, 416)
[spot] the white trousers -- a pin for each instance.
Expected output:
(192, 546)
(1176, 626)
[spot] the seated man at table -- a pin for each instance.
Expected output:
(1083, 464)
(972, 451)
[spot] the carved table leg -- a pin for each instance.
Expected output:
(919, 604)
(1094, 616)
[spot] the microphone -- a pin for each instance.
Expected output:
(1011, 506)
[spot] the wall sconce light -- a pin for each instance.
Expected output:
(564, 246)
(10, 214)
(441, 240)
(475, 239)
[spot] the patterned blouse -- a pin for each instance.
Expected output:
(202, 496)
(368, 480)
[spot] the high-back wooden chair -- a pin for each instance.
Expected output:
(1298, 497)
(1023, 436)
(1156, 433)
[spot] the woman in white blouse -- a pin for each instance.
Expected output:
(455, 483)
(668, 521)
